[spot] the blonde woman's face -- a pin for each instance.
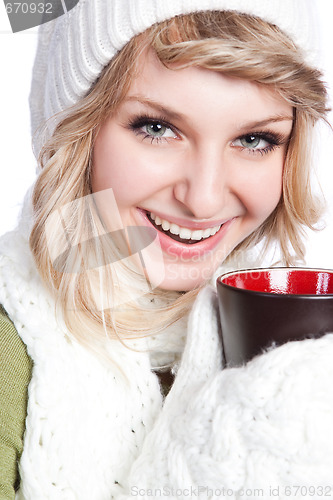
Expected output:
(197, 155)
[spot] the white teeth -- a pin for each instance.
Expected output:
(214, 231)
(197, 235)
(174, 229)
(184, 232)
(165, 225)
(207, 232)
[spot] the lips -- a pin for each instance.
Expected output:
(180, 247)
(176, 237)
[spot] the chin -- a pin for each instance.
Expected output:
(182, 285)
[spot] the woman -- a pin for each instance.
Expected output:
(195, 132)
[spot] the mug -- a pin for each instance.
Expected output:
(260, 308)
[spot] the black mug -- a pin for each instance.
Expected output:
(264, 307)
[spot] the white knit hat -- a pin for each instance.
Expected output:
(74, 48)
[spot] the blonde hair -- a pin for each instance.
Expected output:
(237, 45)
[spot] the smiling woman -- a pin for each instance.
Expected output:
(191, 169)
(187, 124)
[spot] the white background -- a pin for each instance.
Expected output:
(18, 163)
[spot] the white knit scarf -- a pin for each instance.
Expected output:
(86, 423)
(92, 436)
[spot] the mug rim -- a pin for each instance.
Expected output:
(271, 294)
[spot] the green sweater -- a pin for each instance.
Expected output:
(15, 375)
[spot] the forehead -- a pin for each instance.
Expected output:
(194, 91)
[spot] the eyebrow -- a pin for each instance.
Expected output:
(266, 121)
(175, 115)
(169, 112)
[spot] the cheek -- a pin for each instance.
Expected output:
(261, 192)
(116, 165)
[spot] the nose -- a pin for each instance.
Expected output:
(202, 186)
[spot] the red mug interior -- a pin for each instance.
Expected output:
(282, 281)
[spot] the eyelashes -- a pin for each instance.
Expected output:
(269, 141)
(159, 130)
(155, 129)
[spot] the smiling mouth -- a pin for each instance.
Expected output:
(176, 237)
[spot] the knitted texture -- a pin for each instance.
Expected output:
(86, 421)
(74, 48)
(263, 426)
(15, 373)
(89, 435)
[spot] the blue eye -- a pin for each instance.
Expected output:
(253, 142)
(156, 130)
(259, 142)
(250, 141)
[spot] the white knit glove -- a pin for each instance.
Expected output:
(261, 430)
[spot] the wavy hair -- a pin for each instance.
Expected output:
(234, 44)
